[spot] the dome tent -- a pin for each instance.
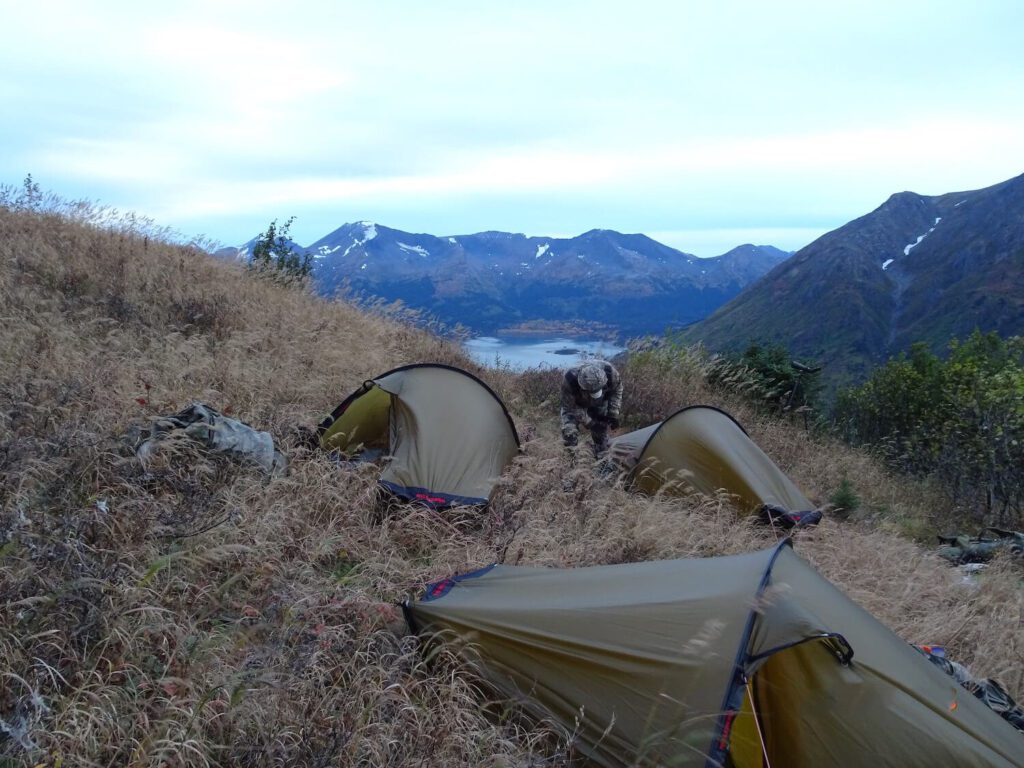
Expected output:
(705, 448)
(749, 661)
(447, 435)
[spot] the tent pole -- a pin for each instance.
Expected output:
(757, 725)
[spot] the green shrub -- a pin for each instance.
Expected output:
(845, 498)
(959, 420)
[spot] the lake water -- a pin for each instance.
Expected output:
(522, 352)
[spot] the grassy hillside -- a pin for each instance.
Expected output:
(197, 613)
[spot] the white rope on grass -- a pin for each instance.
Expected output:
(757, 724)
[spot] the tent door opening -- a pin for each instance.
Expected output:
(787, 699)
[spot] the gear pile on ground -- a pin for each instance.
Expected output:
(963, 548)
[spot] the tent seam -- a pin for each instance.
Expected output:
(716, 750)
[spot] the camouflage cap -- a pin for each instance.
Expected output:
(592, 378)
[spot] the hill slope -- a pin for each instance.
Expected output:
(196, 612)
(916, 269)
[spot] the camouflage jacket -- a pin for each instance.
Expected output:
(578, 408)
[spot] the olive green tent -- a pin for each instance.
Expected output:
(751, 660)
(446, 435)
(705, 448)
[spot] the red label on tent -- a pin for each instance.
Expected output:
(441, 587)
(724, 741)
(431, 499)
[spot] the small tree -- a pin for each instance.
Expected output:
(845, 498)
(274, 250)
(28, 197)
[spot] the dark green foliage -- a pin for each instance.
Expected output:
(771, 377)
(787, 383)
(960, 420)
(845, 498)
(274, 251)
(897, 407)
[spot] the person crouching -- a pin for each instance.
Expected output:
(591, 398)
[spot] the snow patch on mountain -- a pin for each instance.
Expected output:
(323, 251)
(369, 232)
(418, 249)
(541, 250)
(886, 263)
(910, 246)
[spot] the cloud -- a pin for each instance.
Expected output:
(912, 151)
(532, 115)
(249, 75)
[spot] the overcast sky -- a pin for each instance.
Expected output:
(704, 125)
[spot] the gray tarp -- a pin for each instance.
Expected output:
(216, 431)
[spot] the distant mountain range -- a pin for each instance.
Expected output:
(917, 268)
(601, 281)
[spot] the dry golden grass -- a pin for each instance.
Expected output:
(197, 613)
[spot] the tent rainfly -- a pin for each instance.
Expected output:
(705, 448)
(751, 661)
(447, 435)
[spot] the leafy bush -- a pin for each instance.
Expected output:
(960, 420)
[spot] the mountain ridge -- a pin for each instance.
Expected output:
(917, 268)
(625, 284)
